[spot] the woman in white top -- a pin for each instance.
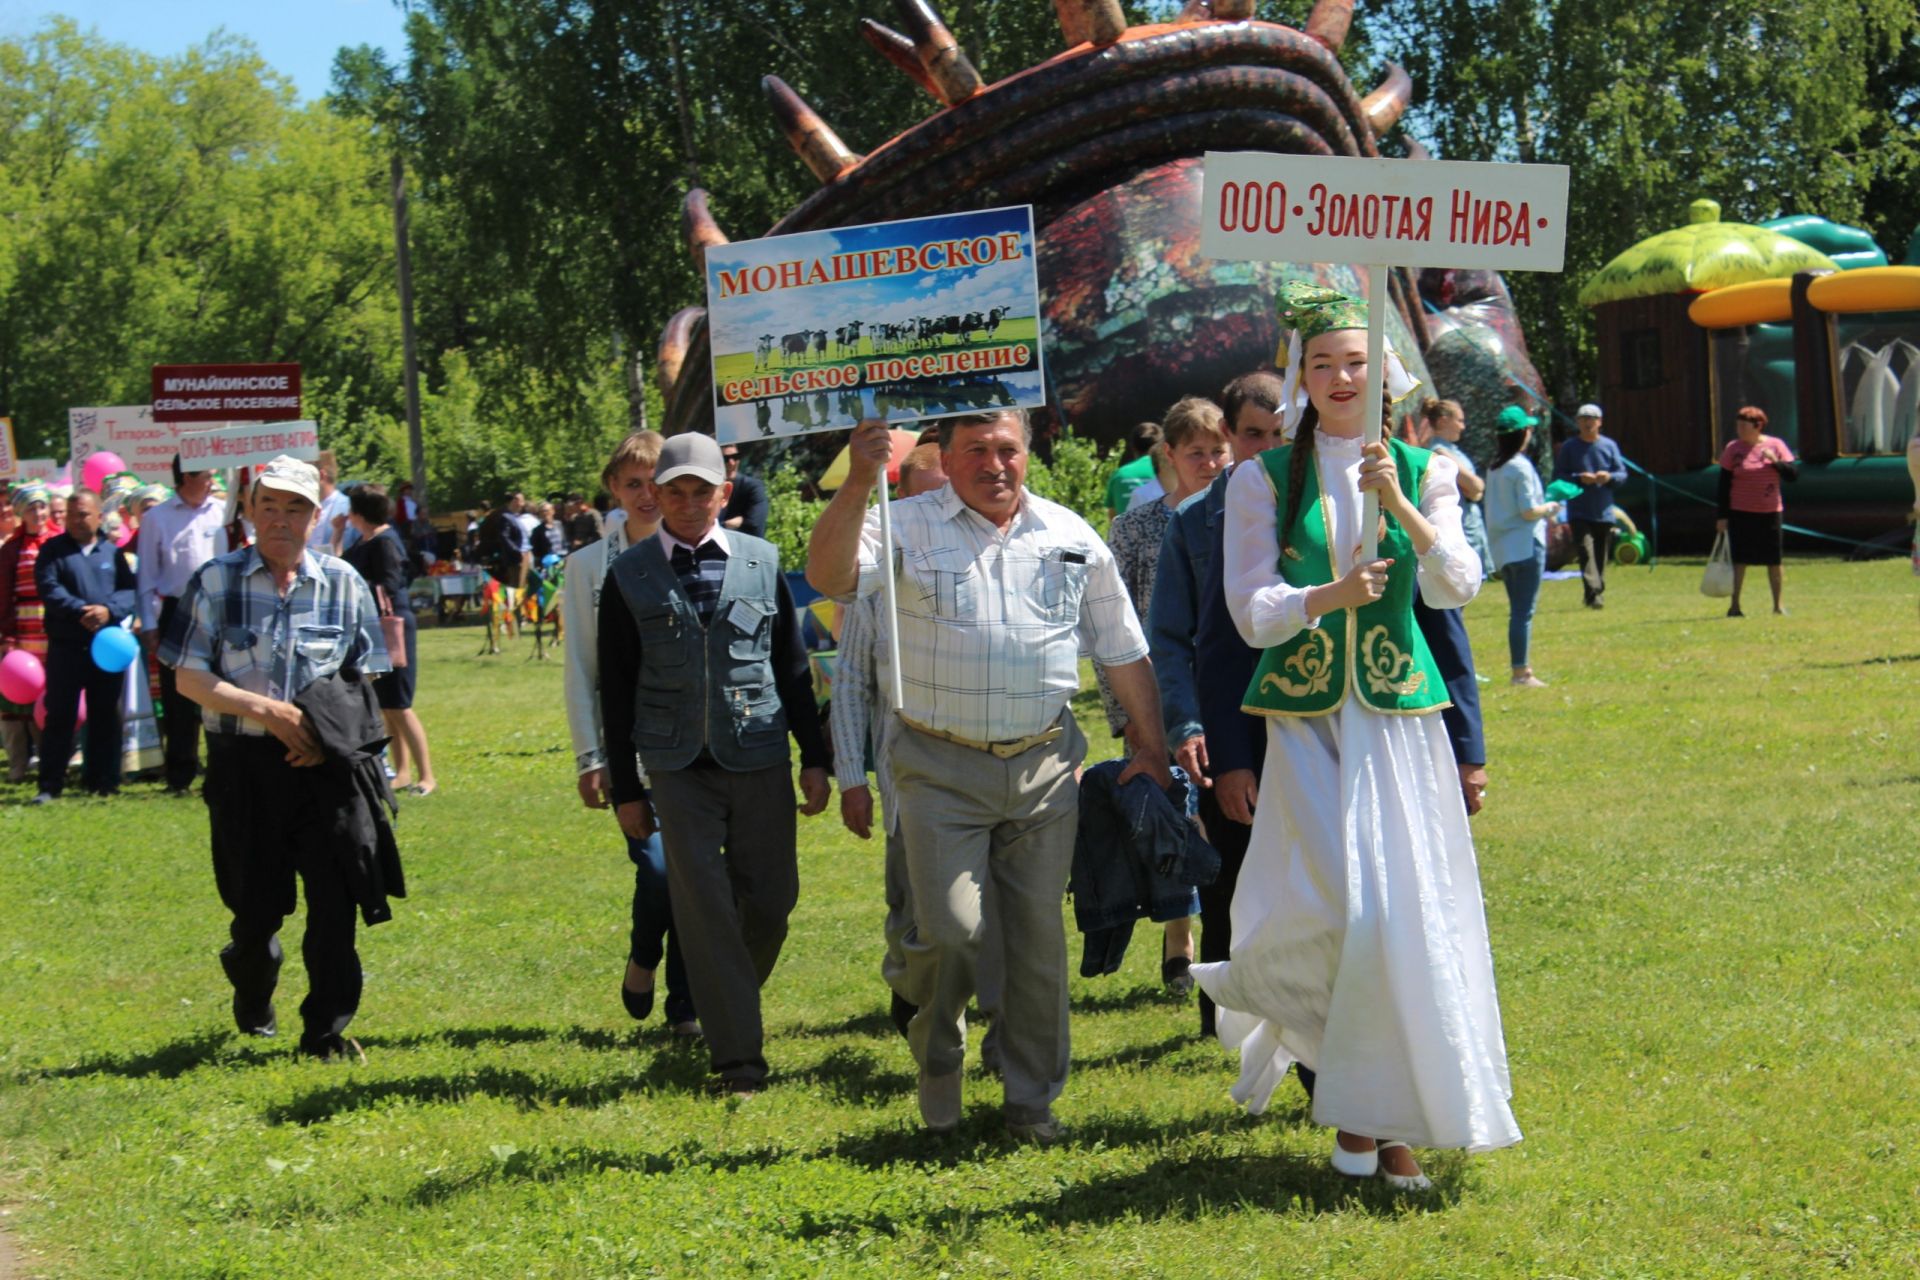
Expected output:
(1360, 943)
(629, 478)
(1517, 512)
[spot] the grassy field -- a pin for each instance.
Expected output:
(741, 364)
(1699, 860)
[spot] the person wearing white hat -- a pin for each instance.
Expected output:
(256, 631)
(1595, 463)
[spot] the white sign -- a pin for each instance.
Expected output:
(146, 446)
(1404, 213)
(41, 469)
(250, 444)
(9, 460)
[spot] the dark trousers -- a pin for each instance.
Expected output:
(70, 672)
(179, 718)
(265, 831)
(1593, 539)
(653, 923)
(734, 876)
(1230, 839)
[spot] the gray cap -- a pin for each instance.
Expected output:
(691, 454)
(290, 475)
(1588, 411)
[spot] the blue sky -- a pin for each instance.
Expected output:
(296, 37)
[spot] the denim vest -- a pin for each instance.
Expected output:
(710, 687)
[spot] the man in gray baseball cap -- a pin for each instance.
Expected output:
(702, 670)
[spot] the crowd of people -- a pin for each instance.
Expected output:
(1235, 617)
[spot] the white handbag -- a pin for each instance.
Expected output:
(1717, 581)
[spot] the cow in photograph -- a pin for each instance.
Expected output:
(763, 352)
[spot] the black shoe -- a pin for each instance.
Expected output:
(1176, 974)
(639, 1003)
(903, 1013)
(255, 1019)
(332, 1047)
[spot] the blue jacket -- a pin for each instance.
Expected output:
(1173, 615)
(69, 581)
(1137, 852)
(1446, 636)
(1235, 740)
(1576, 455)
(730, 690)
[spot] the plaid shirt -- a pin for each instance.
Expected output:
(858, 716)
(992, 624)
(282, 644)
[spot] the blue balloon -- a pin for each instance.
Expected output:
(114, 648)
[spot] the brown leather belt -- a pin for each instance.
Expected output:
(1005, 750)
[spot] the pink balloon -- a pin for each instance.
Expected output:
(98, 466)
(22, 677)
(40, 712)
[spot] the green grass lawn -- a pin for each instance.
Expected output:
(1700, 865)
(1011, 332)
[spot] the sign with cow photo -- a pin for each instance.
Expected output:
(924, 318)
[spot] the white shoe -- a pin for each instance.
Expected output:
(1401, 1181)
(1355, 1164)
(940, 1101)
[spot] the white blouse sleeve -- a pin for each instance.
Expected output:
(1450, 571)
(1265, 608)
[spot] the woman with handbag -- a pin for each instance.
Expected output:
(1517, 512)
(383, 561)
(1751, 469)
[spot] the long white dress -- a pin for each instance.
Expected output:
(1359, 938)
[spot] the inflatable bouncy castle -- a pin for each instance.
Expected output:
(1801, 316)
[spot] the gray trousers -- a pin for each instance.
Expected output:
(902, 937)
(971, 821)
(733, 876)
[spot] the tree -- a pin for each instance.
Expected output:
(178, 209)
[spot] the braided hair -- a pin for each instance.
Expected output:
(1297, 464)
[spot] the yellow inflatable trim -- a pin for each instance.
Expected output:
(1867, 289)
(1738, 305)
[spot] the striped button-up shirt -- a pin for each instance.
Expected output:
(280, 643)
(859, 713)
(992, 624)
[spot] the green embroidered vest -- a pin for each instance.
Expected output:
(1376, 649)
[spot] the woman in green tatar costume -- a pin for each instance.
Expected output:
(1359, 940)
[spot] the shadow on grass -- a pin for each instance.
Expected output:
(169, 1061)
(596, 1038)
(1885, 660)
(873, 1023)
(1141, 1055)
(855, 1076)
(1138, 997)
(668, 1070)
(1174, 1187)
(574, 1162)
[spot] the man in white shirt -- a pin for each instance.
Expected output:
(999, 593)
(176, 538)
(329, 531)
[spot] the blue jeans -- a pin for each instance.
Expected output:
(653, 925)
(1523, 591)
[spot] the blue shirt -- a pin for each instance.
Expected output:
(280, 644)
(1513, 488)
(1576, 455)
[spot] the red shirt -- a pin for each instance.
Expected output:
(1756, 485)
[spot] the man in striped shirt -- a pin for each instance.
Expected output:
(999, 592)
